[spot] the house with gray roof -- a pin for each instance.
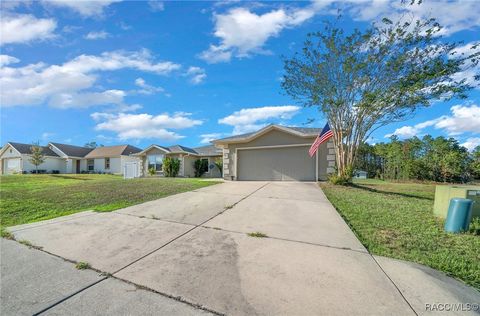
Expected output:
(65, 158)
(273, 153)
(152, 158)
(276, 153)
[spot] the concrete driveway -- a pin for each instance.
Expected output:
(191, 254)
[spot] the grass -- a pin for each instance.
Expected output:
(30, 198)
(396, 220)
(82, 265)
(257, 234)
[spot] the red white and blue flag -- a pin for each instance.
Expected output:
(323, 137)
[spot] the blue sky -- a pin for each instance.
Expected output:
(186, 72)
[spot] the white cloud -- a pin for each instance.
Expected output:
(242, 32)
(248, 120)
(141, 126)
(207, 138)
(24, 28)
(471, 143)
(86, 8)
(140, 60)
(454, 15)
(146, 88)
(72, 84)
(156, 6)
(87, 99)
(7, 60)
(464, 119)
(197, 75)
(469, 69)
(97, 35)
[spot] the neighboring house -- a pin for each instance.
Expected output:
(15, 158)
(152, 157)
(67, 158)
(276, 152)
(110, 159)
(360, 174)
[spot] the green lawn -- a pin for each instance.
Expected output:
(30, 198)
(396, 220)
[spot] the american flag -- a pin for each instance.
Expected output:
(323, 137)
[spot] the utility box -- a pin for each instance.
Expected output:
(444, 193)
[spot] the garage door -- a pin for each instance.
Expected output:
(12, 165)
(281, 164)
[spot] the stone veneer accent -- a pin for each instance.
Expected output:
(331, 157)
(226, 162)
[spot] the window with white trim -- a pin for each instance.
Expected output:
(90, 164)
(107, 163)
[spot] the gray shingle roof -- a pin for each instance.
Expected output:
(303, 130)
(113, 151)
(26, 149)
(73, 151)
(180, 148)
(209, 150)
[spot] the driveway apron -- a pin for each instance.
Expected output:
(195, 253)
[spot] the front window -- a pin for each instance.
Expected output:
(107, 163)
(155, 162)
(90, 164)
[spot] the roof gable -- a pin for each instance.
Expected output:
(209, 150)
(113, 151)
(26, 149)
(71, 150)
(248, 137)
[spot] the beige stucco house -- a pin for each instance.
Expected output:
(276, 152)
(63, 158)
(152, 157)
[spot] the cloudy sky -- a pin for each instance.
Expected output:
(186, 72)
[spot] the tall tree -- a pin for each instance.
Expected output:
(475, 163)
(37, 157)
(92, 144)
(368, 79)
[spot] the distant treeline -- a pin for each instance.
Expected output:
(435, 159)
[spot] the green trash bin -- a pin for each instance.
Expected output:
(459, 215)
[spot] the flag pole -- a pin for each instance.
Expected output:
(316, 166)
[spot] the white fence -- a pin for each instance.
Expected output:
(130, 170)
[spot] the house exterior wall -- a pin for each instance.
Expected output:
(213, 172)
(10, 152)
(326, 154)
(187, 166)
(50, 163)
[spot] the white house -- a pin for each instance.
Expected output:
(63, 158)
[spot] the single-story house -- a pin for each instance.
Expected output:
(110, 159)
(15, 158)
(63, 158)
(152, 157)
(276, 152)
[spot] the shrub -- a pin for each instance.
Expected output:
(171, 166)
(55, 171)
(200, 166)
(39, 171)
(152, 171)
(343, 179)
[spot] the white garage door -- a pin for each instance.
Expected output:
(276, 164)
(12, 165)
